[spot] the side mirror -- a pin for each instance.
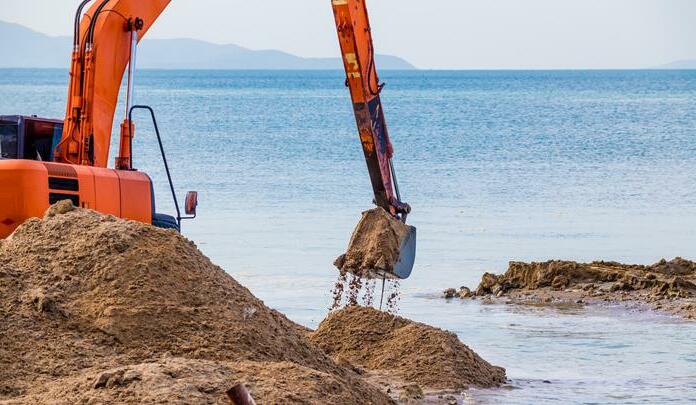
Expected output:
(191, 203)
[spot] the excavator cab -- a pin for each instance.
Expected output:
(31, 180)
(30, 138)
(43, 161)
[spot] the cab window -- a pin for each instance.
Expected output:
(38, 143)
(8, 140)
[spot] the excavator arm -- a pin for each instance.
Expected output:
(355, 38)
(104, 44)
(357, 49)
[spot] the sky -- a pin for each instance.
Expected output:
(435, 34)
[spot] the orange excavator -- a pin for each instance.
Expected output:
(43, 161)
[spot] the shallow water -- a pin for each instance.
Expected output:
(498, 166)
(575, 355)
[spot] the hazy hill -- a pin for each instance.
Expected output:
(22, 47)
(680, 64)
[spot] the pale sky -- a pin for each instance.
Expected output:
(437, 34)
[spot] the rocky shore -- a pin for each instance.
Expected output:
(668, 286)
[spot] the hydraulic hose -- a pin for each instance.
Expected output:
(88, 36)
(78, 14)
(370, 69)
(93, 22)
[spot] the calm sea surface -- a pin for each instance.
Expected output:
(498, 166)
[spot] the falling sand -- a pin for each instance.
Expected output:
(351, 290)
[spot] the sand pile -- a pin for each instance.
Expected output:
(374, 247)
(97, 308)
(668, 285)
(187, 381)
(410, 351)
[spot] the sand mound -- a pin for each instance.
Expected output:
(666, 286)
(413, 352)
(186, 381)
(374, 246)
(83, 294)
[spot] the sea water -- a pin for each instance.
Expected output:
(498, 166)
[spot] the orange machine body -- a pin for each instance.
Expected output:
(28, 187)
(44, 161)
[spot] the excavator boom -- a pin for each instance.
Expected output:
(102, 50)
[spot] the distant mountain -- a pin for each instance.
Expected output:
(680, 64)
(23, 47)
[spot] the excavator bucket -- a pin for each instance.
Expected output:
(407, 255)
(381, 246)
